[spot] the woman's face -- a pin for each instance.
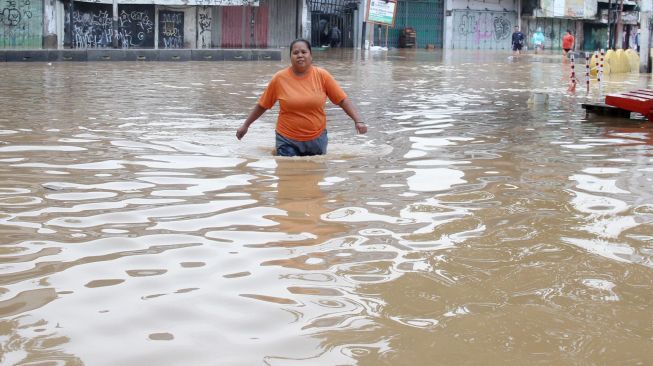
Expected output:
(300, 57)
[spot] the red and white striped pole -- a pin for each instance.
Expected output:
(601, 67)
(572, 82)
(587, 71)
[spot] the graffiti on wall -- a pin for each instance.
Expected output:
(136, 26)
(171, 29)
(204, 21)
(21, 24)
(92, 26)
(482, 29)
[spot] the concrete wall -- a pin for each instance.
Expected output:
(205, 24)
(474, 29)
(306, 22)
(21, 24)
(50, 24)
(60, 16)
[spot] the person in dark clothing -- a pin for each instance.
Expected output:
(517, 41)
(334, 36)
(323, 27)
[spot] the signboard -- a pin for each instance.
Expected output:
(181, 2)
(381, 12)
(567, 9)
(558, 8)
(575, 8)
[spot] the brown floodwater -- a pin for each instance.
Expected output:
(469, 226)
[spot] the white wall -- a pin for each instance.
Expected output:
(478, 5)
(59, 22)
(49, 18)
(205, 24)
(306, 22)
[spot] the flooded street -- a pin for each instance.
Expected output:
(467, 227)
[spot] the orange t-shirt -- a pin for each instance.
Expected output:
(301, 101)
(567, 41)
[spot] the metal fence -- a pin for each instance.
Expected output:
(326, 14)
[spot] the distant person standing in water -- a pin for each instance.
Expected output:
(517, 41)
(567, 43)
(302, 90)
(335, 37)
(324, 32)
(538, 40)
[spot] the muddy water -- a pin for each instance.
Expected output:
(467, 227)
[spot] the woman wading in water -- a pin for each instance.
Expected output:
(301, 90)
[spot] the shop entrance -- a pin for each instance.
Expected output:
(327, 14)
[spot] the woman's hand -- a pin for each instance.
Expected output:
(241, 131)
(361, 127)
(253, 116)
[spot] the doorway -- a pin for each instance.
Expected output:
(326, 14)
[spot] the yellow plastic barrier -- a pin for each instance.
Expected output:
(607, 63)
(617, 62)
(633, 60)
(606, 69)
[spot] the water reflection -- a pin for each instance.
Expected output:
(301, 199)
(467, 226)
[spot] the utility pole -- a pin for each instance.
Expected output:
(71, 24)
(519, 14)
(646, 8)
(609, 24)
(618, 28)
(114, 41)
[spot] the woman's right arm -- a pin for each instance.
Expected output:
(253, 116)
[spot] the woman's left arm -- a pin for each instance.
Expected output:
(351, 111)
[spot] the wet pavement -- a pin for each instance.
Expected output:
(469, 226)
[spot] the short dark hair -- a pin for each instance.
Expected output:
(568, 31)
(308, 44)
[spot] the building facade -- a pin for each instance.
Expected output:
(29, 24)
(450, 24)
(595, 24)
